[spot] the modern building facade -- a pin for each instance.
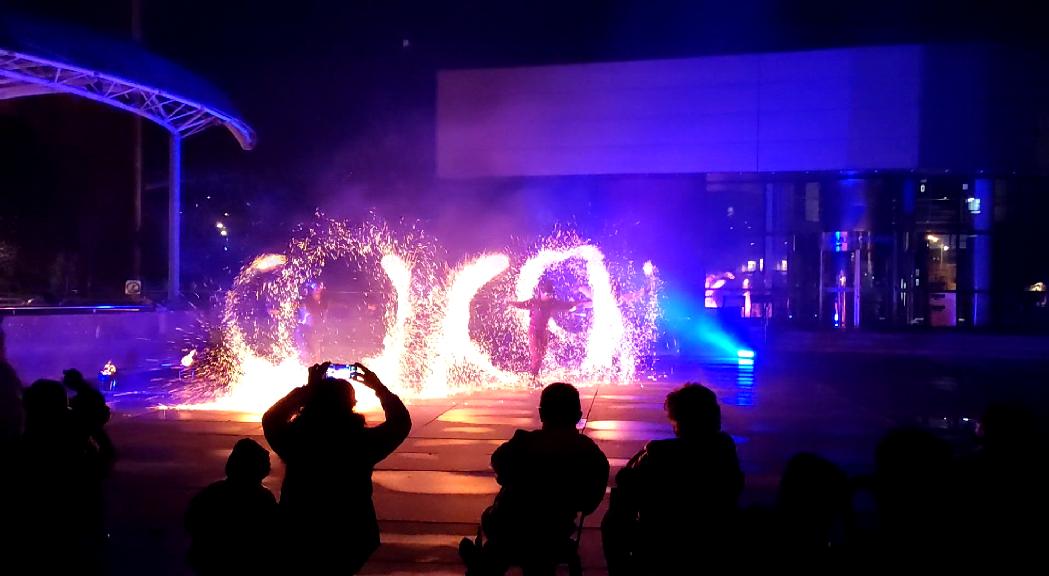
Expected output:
(861, 187)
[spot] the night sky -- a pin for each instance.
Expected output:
(312, 75)
(341, 95)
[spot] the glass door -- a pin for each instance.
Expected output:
(840, 258)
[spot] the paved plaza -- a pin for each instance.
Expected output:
(431, 491)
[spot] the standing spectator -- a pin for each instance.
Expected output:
(10, 402)
(63, 458)
(329, 455)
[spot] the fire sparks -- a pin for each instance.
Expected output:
(267, 262)
(444, 331)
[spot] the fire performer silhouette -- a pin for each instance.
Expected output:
(312, 315)
(540, 308)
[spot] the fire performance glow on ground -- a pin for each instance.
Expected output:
(448, 330)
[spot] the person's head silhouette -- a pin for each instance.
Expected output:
(813, 492)
(693, 410)
(911, 480)
(331, 401)
(248, 463)
(545, 289)
(559, 406)
(45, 402)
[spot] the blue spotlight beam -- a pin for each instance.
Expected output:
(699, 330)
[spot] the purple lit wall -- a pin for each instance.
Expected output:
(850, 109)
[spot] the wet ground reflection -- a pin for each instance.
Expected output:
(435, 482)
(628, 430)
(489, 416)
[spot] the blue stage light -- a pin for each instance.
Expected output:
(701, 331)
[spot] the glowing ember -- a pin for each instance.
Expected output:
(187, 360)
(267, 262)
(109, 370)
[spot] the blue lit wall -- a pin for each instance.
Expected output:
(963, 108)
(853, 108)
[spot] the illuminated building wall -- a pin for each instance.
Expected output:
(927, 159)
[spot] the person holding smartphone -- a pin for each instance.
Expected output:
(329, 455)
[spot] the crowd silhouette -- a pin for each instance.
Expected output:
(674, 507)
(59, 455)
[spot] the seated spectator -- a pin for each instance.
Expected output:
(233, 522)
(674, 503)
(62, 459)
(1005, 483)
(806, 530)
(10, 403)
(10, 432)
(546, 477)
(916, 499)
(813, 503)
(329, 455)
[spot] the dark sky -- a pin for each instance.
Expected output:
(317, 77)
(281, 58)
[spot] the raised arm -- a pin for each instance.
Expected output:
(386, 437)
(522, 304)
(276, 422)
(566, 305)
(91, 414)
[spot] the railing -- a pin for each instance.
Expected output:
(55, 310)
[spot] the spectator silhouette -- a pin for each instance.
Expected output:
(676, 500)
(806, 530)
(1005, 485)
(546, 478)
(813, 505)
(232, 520)
(914, 493)
(63, 457)
(329, 454)
(10, 431)
(10, 403)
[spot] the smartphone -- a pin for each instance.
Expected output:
(342, 371)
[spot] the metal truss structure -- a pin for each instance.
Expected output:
(27, 75)
(23, 75)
